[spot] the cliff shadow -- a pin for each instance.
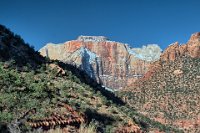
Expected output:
(85, 78)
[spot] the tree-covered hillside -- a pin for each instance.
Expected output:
(37, 94)
(170, 95)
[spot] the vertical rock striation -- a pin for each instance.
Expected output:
(113, 64)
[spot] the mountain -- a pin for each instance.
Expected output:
(113, 64)
(169, 91)
(42, 95)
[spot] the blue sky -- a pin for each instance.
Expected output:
(136, 22)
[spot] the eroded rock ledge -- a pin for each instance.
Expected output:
(92, 38)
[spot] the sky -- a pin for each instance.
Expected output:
(136, 22)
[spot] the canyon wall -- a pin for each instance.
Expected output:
(113, 64)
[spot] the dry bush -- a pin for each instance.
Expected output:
(91, 128)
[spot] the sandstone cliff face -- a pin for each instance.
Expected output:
(191, 48)
(113, 64)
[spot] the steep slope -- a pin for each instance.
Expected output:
(169, 91)
(113, 64)
(53, 95)
(13, 48)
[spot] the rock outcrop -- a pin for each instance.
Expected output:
(175, 51)
(113, 64)
(191, 48)
(194, 45)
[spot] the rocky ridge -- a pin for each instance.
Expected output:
(169, 91)
(191, 48)
(174, 52)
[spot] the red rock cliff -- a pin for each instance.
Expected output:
(111, 63)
